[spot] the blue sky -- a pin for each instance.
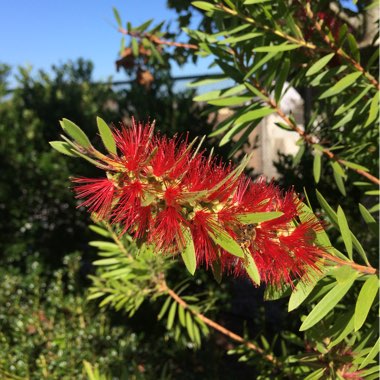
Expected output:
(46, 32)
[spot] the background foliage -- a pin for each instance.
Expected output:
(48, 327)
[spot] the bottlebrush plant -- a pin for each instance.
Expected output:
(167, 193)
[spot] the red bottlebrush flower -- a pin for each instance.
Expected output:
(127, 207)
(206, 250)
(166, 231)
(171, 159)
(134, 144)
(99, 193)
(159, 187)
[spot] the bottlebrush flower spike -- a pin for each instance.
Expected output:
(164, 192)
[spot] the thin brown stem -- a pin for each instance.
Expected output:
(156, 40)
(220, 328)
(338, 50)
(360, 268)
(308, 138)
(279, 33)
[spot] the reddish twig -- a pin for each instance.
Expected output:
(156, 40)
(338, 50)
(311, 139)
(220, 328)
(360, 268)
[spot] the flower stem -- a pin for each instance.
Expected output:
(220, 328)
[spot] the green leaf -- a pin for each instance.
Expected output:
(372, 192)
(341, 85)
(223, 239)
(144, 26)
(317, 165)
(374, 351)
(62, 147)
(106, 135)
(328, 302)
(352, 165)
(373, 109)
(189, 325)
(164, 308)
(224, 102)
(234, 40)
(369, 219)
(258, 217)
(110, 261)
(251, 268)
(354, 99)
(365, 300)
(171, 316)
(249, 2)
(75, 132)
(255, 114)
(104, 245)
(273, 293)
(344, 120)
(188, 253)
(207, 96)
(302, 290)
(216, 267)
(345, 231)
(342, 327)
(206, 82)
(203, 5)
(353, 47)
(260, 63)
(320, 64)
(280, 80)
(100, 231)
(117, 17)
(181, 315)
(316, 375)
(135, 47)
(338, 177)
(276, 48)
(327, 208)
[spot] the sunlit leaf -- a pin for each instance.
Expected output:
(341, 85)
(365, 300)
(75, 132)
(106, 135)
(320, 64)
(328, 302)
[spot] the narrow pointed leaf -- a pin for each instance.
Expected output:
(374, 351)
(327, 303)
(341, 85)
(62, 147)
(373, 109)
(224, 240)
(251, 268)
(319, 65)
(255, 114)
(345, 231)
(75, 132)
(117, 17)
(106, 135)
(171, 315)
(276, 48)
(258, 217)
(233, 101)
(302, 291)
(317, 166)
(365, 300)
(188, 253)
